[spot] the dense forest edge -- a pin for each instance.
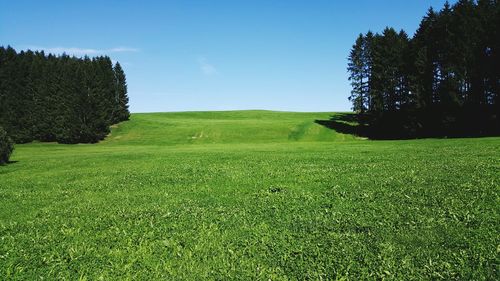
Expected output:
(444, 81)
(60, 98)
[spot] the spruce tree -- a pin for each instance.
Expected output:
(121, 112)
(356, 68)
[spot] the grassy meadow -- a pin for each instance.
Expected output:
(250, 195)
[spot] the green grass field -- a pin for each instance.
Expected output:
(251, 195)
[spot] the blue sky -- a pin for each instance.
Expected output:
(215, 55)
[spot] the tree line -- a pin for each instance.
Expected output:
(445, 80)
(45, 97)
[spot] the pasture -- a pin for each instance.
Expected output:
(250, 195)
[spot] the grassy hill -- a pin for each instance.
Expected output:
(250, 195)
(221, 127)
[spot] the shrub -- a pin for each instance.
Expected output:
(6, 146)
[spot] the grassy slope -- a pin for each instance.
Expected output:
(223, 127)
(250, 195)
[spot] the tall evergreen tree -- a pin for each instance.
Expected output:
(423, 78)
(121, 112)
(358, 78)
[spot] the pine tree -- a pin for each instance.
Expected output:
(356, 68)
(20, 103)
(390, 80)
(423, 78)
(121, 112)
(3, 85)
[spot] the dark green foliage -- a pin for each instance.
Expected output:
(6, 146)
(443, 81)
(60, 98)
(121, 112)
(358, 75)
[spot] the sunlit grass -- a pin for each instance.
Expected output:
(250, 195)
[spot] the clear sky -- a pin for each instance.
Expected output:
(214, 54)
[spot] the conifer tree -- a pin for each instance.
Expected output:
(356, 68)
(121, 98)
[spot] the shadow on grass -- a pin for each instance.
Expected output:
(401, 125)
(345, 123)
(8, 163)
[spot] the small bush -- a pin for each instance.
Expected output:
(6, 146)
